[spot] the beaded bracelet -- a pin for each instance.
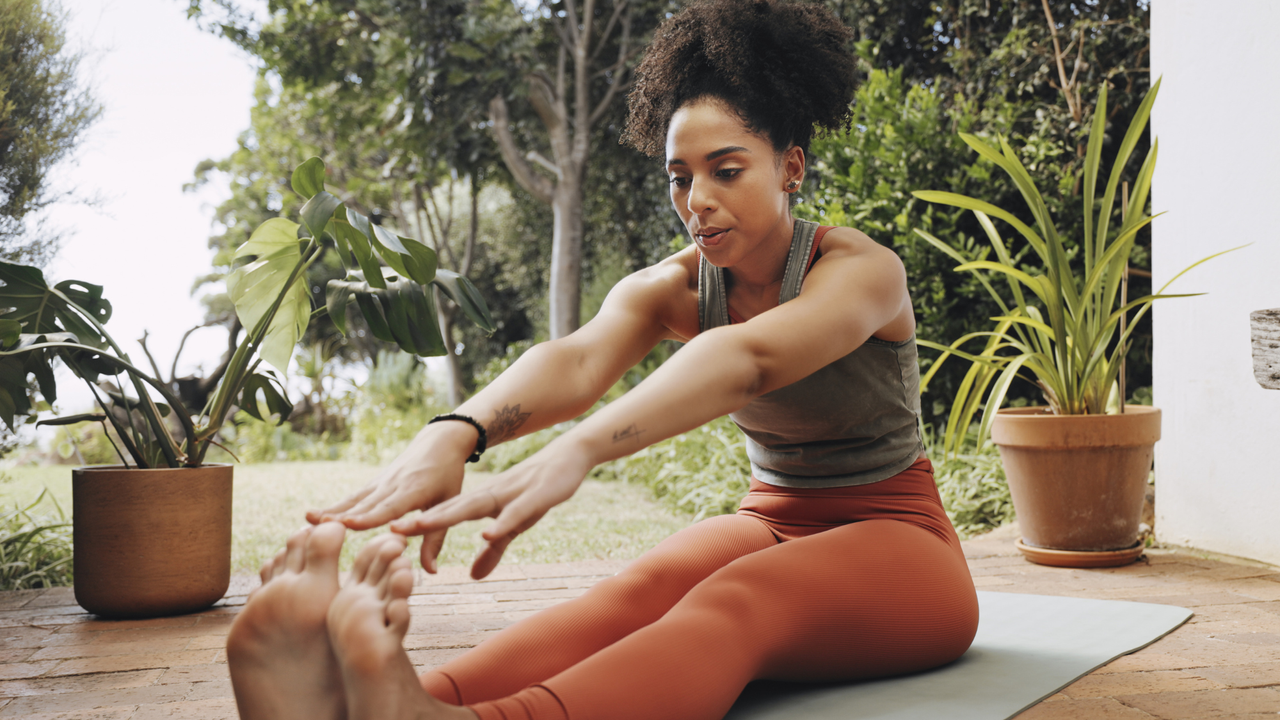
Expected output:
(481, 443)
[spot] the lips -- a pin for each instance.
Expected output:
(710, 237)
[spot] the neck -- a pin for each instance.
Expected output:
(766, 266)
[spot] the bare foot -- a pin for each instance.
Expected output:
(367, 623)
(282, 666)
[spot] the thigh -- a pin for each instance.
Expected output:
(869, 599)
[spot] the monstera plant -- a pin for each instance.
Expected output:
(153, 536)
(390, 278)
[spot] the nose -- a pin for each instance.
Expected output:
(701, 197)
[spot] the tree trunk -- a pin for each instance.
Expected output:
(452, 371)
(566, 258)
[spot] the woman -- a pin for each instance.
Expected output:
(840, 563)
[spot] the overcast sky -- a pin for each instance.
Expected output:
(172, 96)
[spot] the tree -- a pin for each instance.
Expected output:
(1026, 69)
(44, 112)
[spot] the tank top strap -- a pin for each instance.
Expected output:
(804, 244)
(713, 303)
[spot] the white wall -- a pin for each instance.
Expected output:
(1218, 177)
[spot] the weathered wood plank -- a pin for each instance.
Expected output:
(1266, 347)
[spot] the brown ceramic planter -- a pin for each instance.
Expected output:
(151, 542)
(1077, 481)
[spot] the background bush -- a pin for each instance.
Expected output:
(35, 548)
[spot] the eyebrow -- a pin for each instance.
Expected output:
(713, 154)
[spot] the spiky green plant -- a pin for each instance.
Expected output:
(35, 551)
(1073, 340)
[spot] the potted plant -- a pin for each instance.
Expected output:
(1076, 467)
(152, 536)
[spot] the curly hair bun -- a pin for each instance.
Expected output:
(784, 67)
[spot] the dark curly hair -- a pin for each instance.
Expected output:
(783, 67)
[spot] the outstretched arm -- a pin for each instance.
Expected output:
(552, 382)
(851, 294)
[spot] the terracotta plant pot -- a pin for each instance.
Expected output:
(151, 542)
(1078, 481)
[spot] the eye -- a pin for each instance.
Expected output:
(679, 181)
(728, 173)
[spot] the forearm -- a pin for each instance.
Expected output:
(549, 384)
(715, 374)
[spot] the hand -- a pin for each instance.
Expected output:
(427, 473)
(518, 498)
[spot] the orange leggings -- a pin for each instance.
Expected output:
(833, 584)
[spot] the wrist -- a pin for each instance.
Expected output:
(448, 439)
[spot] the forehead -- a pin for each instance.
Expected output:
(704, 126)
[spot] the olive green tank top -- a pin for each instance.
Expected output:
(852, 422)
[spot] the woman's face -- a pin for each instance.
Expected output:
(728, 184)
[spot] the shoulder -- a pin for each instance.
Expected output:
(844, 242)
(666, 293)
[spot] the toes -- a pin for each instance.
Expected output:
(367, 561)
(295, 552)
(323, 548)
(398, 617)
(397, 581)
(390, 551)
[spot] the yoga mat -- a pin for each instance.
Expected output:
(1027, 648)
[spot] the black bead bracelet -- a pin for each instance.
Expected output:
(481, 443)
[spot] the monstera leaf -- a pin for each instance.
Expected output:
(41, 310)
(402, 312)
(465, 296)
(256, 287)
(277, 403)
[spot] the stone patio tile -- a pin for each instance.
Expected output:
(1195, 600)
(53, 597)
(23, 637)
(18, 598)
(1255, 588)
(427, 641)
(91, 624)
(211, 690)
(1145, 660)
(428, 659)
(215, 709)
(207, 642)
(116, 713)
(117, 663)
(1242, 676)
(145, 634)
(16, 655)
(63, 652)
(1137, 683)
(520, 595)
(1083, 709)
(1207, 703)
(79, 683)
(599, 568)
(450, 599)
(14, 671)
(194, 673)
(72, 701)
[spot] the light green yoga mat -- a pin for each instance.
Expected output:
(1028, 647)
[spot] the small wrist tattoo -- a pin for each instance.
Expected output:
(630, 432)
(505, 423)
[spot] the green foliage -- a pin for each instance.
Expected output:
(988, 69)
(254, 440)
(66, 321)
(44, 112)
(35, 550)
(972, 485)
(391, 406)
(1065, 325)
(703, 472)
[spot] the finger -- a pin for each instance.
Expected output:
(519, 515)
(385, 510)
(353, 517)
(316, 517)
(432, 543)
(489, 557)
(471, 506)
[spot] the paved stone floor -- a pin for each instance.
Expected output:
(56, 662)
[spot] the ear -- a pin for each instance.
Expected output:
(792, 168)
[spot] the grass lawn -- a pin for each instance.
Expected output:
(604, 520)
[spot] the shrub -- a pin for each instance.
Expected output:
(391, 406)
(35, 550)
(972, 485)
(703, 472)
